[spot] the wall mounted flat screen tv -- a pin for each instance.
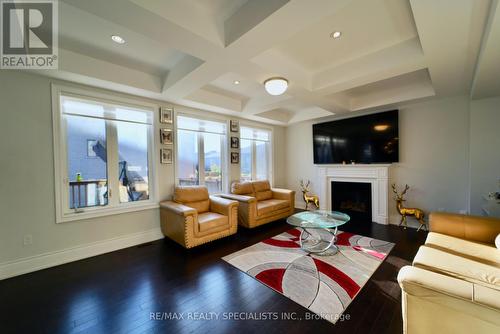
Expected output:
(365, 139)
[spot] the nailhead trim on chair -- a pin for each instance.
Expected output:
(226, 234)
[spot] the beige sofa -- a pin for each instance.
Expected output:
(453, 285)
(259, 204)
(194, 218)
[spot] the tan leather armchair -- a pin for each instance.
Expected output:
(259, 204)
(453, 285)
(194, 218)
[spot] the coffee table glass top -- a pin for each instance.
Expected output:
(318, 219)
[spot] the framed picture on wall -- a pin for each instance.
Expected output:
(235, 142)
(166, 136)
(235, 158)
(166, 156)
(166, 115)
(234, 125)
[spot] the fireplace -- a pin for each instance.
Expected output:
(375, 175)
(353, 198)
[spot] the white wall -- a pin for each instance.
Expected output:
(433, 155)
(484, 151)
(27, 204)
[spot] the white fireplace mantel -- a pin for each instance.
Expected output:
(376, 175)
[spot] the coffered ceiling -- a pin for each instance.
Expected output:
(216, 54)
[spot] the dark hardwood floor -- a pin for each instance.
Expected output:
(118, 292)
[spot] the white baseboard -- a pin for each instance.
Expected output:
(51, 259)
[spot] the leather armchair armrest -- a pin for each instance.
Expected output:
(418, 282)
(239, 198)
(177, 208)
(221, 205)
(427, 284)
(480, 229)
(283, 193)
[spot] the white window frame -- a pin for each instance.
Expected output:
(201, 151)
(270, 162)
(61, 180)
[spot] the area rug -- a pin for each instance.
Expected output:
(325, 284)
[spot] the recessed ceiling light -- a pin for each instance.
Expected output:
(336, 34)
(118, 39)
(276, 86)
(236, 82)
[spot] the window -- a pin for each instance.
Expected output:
(201, 143)
(104, 159)
(255, 154)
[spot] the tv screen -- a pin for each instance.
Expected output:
(365, 139)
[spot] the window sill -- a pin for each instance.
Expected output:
(102, 212)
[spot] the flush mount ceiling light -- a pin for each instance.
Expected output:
(236, 82)
(118, 39)
(336, 34)
(276, 86)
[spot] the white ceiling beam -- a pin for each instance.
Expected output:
(212, 98)
(406, 87)
(404, 57)
(486, 82)
(79, 64)
(450, 35)
(248, 16)
(290, 18)
(180, 70)
(151, 25)
(214, 60)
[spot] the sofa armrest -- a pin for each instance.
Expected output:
(239, 198)
(177, 208)
(221, 205)
(283, 193)
(474, 228)
(415, 281)
(434, 286)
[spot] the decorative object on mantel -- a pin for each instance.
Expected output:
(166, 115)
(405, 212)
(314, 199)
(234, 126)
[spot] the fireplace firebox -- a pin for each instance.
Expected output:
(353, 198)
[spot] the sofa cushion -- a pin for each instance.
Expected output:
(211, 220)
(469, 249)
(261, 185)
(269, 206)
(262, 190)
(457, 266)
(242, 188)
(264, 195)
(195, 197)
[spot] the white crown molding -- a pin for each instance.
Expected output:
(51, 259)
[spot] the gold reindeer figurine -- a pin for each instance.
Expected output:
(314, 199)
(405, 212)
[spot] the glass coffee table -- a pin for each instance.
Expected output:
(325, 223)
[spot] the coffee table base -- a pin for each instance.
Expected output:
(304, 236)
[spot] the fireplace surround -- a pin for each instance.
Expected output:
(377, 175)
